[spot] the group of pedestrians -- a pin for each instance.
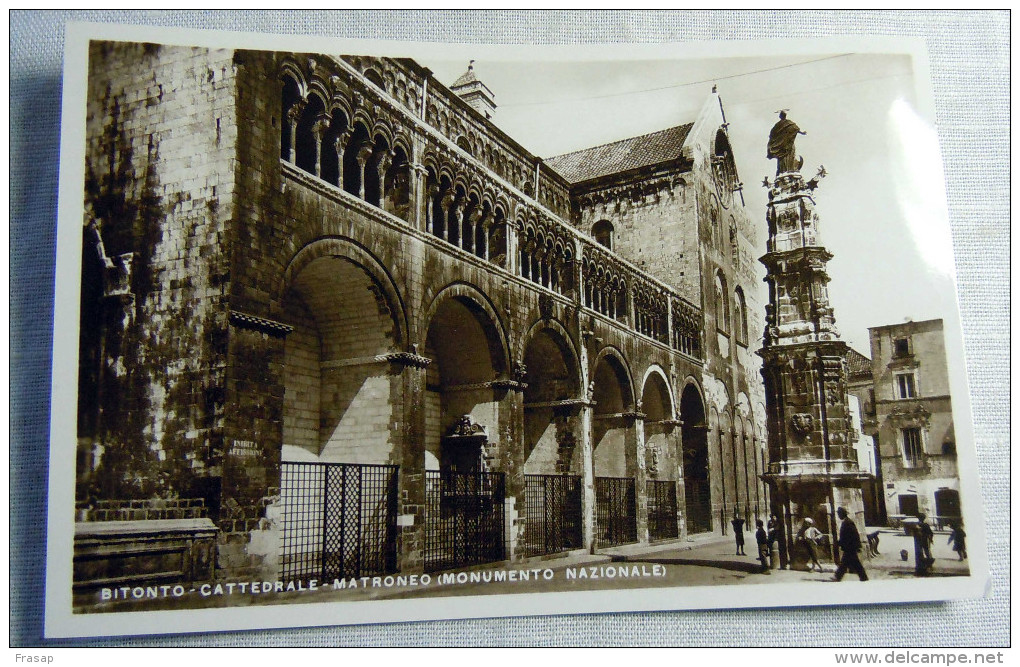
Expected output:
(809, 538)
(767, 541)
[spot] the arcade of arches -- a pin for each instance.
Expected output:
(555, 446)
(347, 390)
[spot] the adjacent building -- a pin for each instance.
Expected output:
(332, 307)
(907, 408)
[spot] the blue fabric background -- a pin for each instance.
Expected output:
(970, 65)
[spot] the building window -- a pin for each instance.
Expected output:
(905, 386)
(908, 504)
(603, 233)
(901, 347)
(740, 316)
(722, 305)
(912, 450)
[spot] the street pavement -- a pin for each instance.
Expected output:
(704, 560)
(719, 552)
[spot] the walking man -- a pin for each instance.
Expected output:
(850, 547)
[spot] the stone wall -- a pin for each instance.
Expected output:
(159, 179)
(276, 313)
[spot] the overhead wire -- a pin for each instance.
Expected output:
(677, 85)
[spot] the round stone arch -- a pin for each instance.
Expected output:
(344, 248)
(463, 337)
(466, 292)
(552, 421)
(656, 369)
(340, 395)
(402, 141)
(696, 420)
(558, 327)
(621, 359)
(362, 116)
(614, 444)
(381, 128)
(662, 451)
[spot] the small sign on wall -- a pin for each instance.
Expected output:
(245, 449)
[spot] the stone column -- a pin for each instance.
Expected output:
(640, 473)
(486, 224)
(525, 258)
(420, 197)
(512, 256)
(411, 498)
(587, 458)
(674, 440)
(511, 457)
(364, 153)
(382, 165)
(467, 234)
(445, 203)
(293, 116)
(340, 145)
(476, 221)
(458, 220)
(319, 128)
(431, 193)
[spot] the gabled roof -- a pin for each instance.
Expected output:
(620, 156)
(857, 363)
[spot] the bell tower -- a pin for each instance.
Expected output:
(812, 468)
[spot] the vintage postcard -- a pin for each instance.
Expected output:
(391, 331)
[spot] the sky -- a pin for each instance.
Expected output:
(881, 208)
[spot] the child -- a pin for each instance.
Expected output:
(809, 536)
(958, 539)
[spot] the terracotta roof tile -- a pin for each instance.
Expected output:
(624, 155)
(857, 363)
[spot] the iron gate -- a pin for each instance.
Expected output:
(552, 511)
(339, 520)
(698, 505)
(662, 510)
(463, 518)
(615, 511)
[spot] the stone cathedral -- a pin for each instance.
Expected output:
(335, 313)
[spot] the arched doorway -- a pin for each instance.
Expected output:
(552, 460)
(661, 462)
(614, 448)
(464, 511)
(947, 507)
(697, 487)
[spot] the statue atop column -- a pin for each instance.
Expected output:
(781, 144)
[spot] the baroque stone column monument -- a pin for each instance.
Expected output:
(812, 468)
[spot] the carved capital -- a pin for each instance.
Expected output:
(364, 153)
(261, 324)
(409, 359)
(340, 141)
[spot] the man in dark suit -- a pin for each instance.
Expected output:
(849, 546)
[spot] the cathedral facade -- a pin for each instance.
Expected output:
(330, 306)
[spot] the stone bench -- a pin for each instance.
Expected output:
(109, 554)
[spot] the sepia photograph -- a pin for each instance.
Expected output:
(364, 326)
